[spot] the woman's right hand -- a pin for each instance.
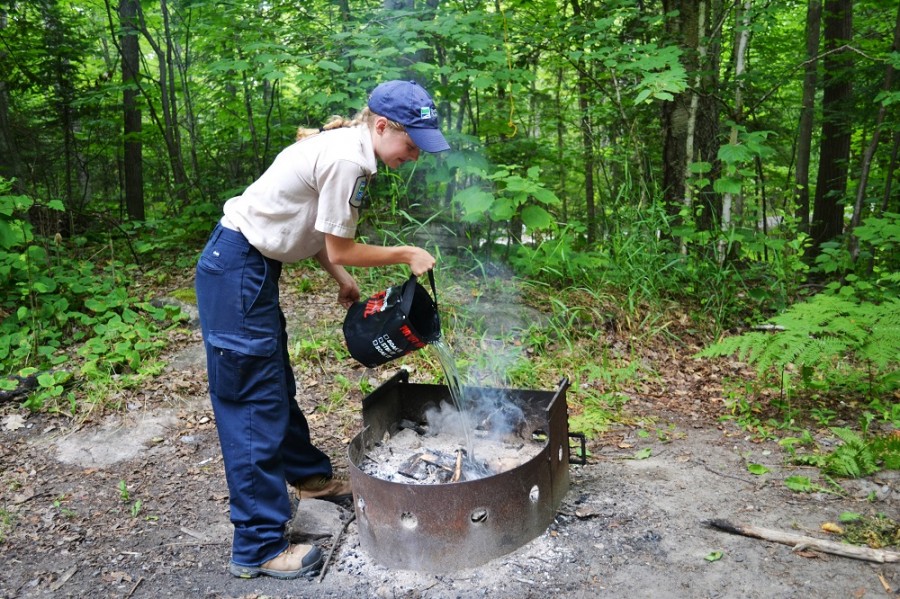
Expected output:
(420, 261)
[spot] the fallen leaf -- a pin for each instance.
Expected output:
(832, 528)
(14, 422)
(643, 454)
(586, 512)
(26, 494)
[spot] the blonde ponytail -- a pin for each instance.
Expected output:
(364, 116)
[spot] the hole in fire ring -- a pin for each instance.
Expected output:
(535, 494)
(362, 504)
(479, 515)
(409, 520)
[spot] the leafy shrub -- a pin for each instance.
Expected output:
(823, 337)
(61, 309)
(858, 455)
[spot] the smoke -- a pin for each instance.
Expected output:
(445, 419)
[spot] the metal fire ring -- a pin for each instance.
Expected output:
(442, 528)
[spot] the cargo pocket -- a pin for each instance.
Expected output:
(240, 363)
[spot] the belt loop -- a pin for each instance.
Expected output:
(217, 230)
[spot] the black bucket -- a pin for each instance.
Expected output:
(392, 323)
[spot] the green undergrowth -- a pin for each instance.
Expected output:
(77, 320)
(875, 531)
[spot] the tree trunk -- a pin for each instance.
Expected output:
(807, 114)
(690, 122)
(742, 35)
(131, 112)
(183, 58)
(171, 114)
(587, 136)
(11, 165)
(168, 126)
(866, 166)
(889, 176)
(831, 182)
(560, 146)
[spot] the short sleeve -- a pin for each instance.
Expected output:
(339, 186)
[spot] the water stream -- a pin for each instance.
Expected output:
(451, 373)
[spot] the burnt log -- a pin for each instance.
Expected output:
(24, 386)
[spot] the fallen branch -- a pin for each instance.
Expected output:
(26, 385)
(801, 542)
(334, 544)
(457, 472)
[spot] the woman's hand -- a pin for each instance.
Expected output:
(348, 292)
(420, 261)
(342, 251)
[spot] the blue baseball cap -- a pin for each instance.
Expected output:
(407, 103)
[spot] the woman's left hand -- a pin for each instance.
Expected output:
(348, 292)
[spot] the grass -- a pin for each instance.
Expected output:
(6, 523)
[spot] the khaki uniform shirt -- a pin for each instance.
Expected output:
(306, 193)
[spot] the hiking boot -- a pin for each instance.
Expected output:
(293, 562)
(319, 486)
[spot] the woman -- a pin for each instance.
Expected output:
(306, 204)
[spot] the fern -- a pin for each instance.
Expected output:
(887, 451)
(853, 459)
(856, 456)
(818, 333)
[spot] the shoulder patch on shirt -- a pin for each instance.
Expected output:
(358, 196)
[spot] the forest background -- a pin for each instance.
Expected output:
(680, 173)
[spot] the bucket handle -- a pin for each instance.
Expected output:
(409, 292)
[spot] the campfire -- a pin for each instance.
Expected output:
(424, 453)
(427, 500)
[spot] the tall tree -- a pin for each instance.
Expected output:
(742, 38)
(133, 165)
(168, 94)
(807, 114)
(11, 164)
(834, 151)
(582, 11)
(691, 120)
(866, 166)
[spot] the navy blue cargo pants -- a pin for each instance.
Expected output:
(264, 435)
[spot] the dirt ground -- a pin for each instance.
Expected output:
(134, 504)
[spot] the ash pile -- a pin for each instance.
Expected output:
(453, 446)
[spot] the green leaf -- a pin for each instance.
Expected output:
(643, 95)
(849, 517)
(536, 217)
(545, 196)
(714, 556)
(503, 209)
(643, 454)
(734, 153)
(800, 484)
(330, 66)
(728, 185)
(757, 469)
(474, 202)
(95, 305)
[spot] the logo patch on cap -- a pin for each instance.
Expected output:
(425, 112)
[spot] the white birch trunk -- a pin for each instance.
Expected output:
(740, 55)
(692, 114)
